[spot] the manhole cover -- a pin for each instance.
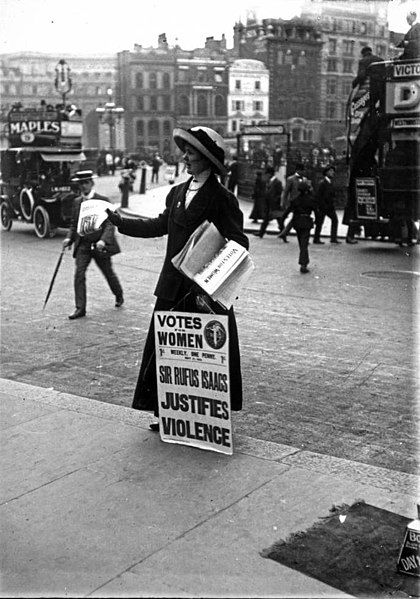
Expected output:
(391, 274)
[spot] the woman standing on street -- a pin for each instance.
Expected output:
(188, 205)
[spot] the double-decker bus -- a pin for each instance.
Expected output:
(384, 138)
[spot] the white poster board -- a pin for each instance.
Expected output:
(192, 367)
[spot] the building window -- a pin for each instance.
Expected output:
(218, 78)
(166, 100)
(153, 128)
(347, 87)
(152, 81)
(332, 46)
(140, 103)
(288, 59)
(167, 128)
(153, 103)
(332, 65)
(202, 105)
(310, 135)
(219, 106)
(140, 128)
(238, 105)
(330, 109)
(347, 66)
(348, 47)
(139, 80)
(182, 75)
(296, 134)
(280, 57)
(166, 81)
(257, 105)
(202, 76)
(184, 105)
(302, 59)
(237, 84)
(257, 85)
(99, 91)
(381, 50)
(331, 87)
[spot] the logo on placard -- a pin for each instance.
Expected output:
(27, 137)
(215, 334)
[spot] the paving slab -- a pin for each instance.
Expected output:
(212, 559)
(94, 504)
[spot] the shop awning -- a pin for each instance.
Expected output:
(62, 157)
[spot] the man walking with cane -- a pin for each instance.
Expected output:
(99, 245)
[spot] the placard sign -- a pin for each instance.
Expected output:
(366, 201)
(409, 557)
(192, 364)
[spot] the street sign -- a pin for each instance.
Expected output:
(264, 130)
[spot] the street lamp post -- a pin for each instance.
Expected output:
(110, 114)
(63, 82)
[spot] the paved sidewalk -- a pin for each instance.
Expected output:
(153, 202)
(94, 504)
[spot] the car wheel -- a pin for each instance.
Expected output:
(6, 218)
(26, 201)
(42, 222)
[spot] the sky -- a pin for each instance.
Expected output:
(105, 27)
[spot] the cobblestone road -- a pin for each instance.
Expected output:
(328, 358)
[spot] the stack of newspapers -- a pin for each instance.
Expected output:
(218, 266)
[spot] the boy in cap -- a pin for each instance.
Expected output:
(99, 245)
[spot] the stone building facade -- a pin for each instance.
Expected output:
(202, 86)
(291, 51)
(146, 90)
(344, 29)
(29, 77)
(248, 99)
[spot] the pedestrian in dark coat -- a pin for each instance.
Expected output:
(200, 198)
(233, 175)
(362, 69)
(289, 194)
(302, 207)
(156, 164)
(325, 198)
(258, 196)
(99, 245)
(272, 201)
(411, 40)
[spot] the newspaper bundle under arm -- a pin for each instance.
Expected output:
(218, 266)
(91, 216)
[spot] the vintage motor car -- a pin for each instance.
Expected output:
(45, 148)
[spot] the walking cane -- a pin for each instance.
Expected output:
(54, 275)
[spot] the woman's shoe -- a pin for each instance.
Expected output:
(304, 269)
(154, 427)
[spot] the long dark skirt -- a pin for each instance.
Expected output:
(145, 394)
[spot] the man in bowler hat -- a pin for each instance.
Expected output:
(325, 197)
(99, 245)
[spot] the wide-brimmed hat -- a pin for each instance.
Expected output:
(207, 141)
(80, 176)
